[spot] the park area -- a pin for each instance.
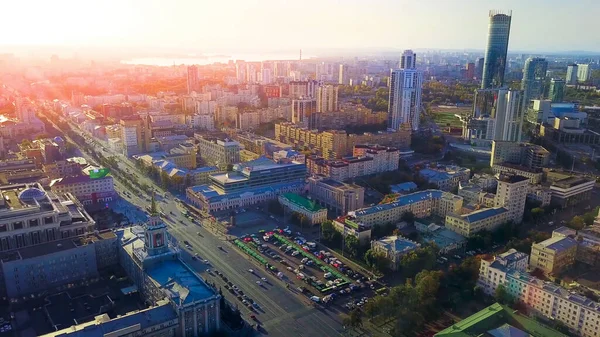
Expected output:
(445, 116)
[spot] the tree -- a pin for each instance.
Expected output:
(164, 179)
(408, 217)
(537, 214)
(377, 260)
(576, 223)
(329, 235)
(501, 295)
(351, 245)
(354, 319)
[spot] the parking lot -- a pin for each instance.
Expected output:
(317, 274)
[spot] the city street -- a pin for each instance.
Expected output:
(281, 313)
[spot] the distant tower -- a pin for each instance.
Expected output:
(192, 79)
(556, 93)
(494, 64)
(24, 110)
(405, 94)
(300, 54)
(571, 74)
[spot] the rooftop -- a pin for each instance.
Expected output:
(482, 214)
(180, 282)
(497, 320)
(398, 244)
(558, 243)
(403, 187)
(302, 202)
(571, 182)
(511, 178)
(401, 201)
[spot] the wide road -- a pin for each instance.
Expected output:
(282, 313)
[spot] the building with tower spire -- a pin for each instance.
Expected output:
(151, 258)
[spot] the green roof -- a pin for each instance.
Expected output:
(302, 202)
(495, 316)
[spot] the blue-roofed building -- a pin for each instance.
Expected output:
(446, 178)
(249, 183)
(403, 188)
(422, 204)
(445, 239)
(471, 223)
(157, 321)
(394, 247)
(151, 259)
(553, 255)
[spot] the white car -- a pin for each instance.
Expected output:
(258, 282)
(264, 279)
(251, 271)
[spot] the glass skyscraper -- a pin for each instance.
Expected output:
(534, 76)
(496, 50)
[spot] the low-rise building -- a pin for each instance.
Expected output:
(471, 223)
(394, 248)
(571, 191)
(403, 188)
(88, 190)
(347, 225)
(446, 178)
(218, 152)
(445, 239)
(312, 211)
(553, 255)
(336, 196)
(535, 175)
(421, 204)
(374, 161)
(34, 269)
(580, 314)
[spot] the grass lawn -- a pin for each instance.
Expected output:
(444, 116)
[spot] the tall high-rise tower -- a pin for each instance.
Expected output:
(572, 74)
(534, 76)
(405, 94)
(494, 63)
(556, 92)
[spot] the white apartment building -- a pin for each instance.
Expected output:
(583, 72)
(544, 298)
(511, 194)
(384, 158)
(87, 190)
(201, 121)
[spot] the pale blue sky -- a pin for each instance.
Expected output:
(538, 25)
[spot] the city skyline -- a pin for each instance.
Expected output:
(245, 25)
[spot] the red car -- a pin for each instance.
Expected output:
(253, 317)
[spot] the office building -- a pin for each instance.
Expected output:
(25, 110)
(572, 70)
(539, 194)
(525, 154)
(327, 98)
(218, 152)
(495, 60)
(571, 191)
(135, 135)
(421, 204)
(484, 219)
(193, 80)
(338, 197)
(553, 255)
(479, 63)
(555, 303)
(394, 248)
(583, 72)
(511, 194)
(304, 112)
(534, 77)
(249, 183)
(152, 260)
(347, 225)
(556, 92)
(405, 94)
(498, 321)
(310, 210)
(35, 269)
(446, 178)
(384, 158)
(31, 216)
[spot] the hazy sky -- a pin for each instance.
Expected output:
(537, 25)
